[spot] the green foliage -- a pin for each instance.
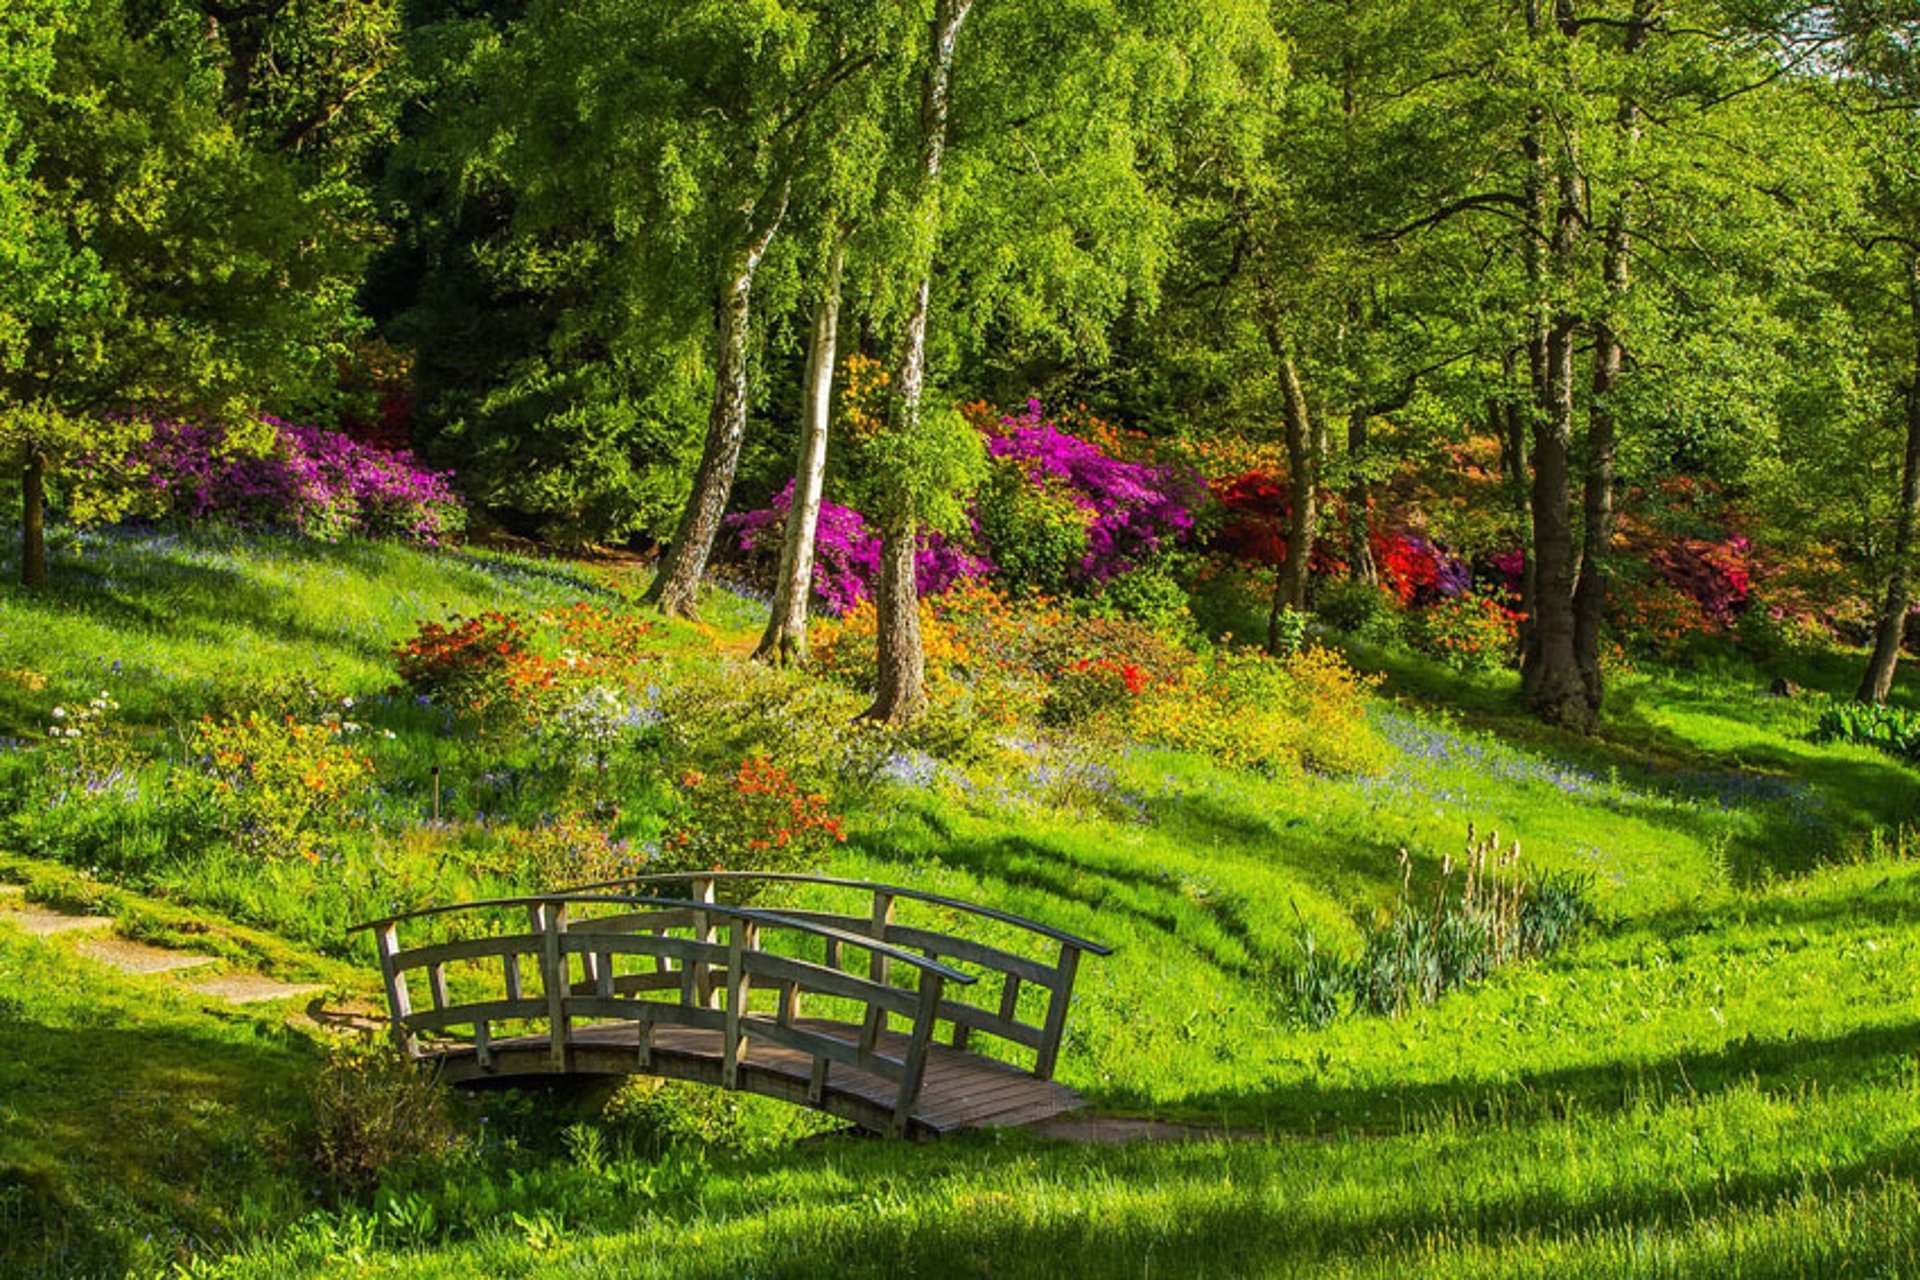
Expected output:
(1038, 533)
(374, 1112)
(1894, 730)
(1360, 610)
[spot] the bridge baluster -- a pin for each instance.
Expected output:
(915, 1066)
(556, 979)
(387, 941)
(703, 993)
(1057, 1012)
(742, 936)
(878, 968)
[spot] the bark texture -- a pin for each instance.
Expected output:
(1890, 633)
(786, 635)
(900, 693)
(676, 589)
(1303, 495)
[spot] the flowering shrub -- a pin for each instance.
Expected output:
(756, 819)
(93, 756)
(1471, 632)
(1038, 529)
(1247, 710)
(1094, 691)
(1417, 571)
(322, 483)
(570, 850)
(274, 784)
(846, 562)
(1132, 510)
(481, 667)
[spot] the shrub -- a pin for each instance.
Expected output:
(372, 1111)
(1894, 730)
(1150, 595)
(1365, 612)
(1287, 631)
(273, 785)
(278, 475)
(756, 819)
(481, 667)
(1469, 632)
(1037, 529)
(569, 850)
(1248, 710)
(1094, 691)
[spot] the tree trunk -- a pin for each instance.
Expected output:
(1303, 485)
(1554, 685)
(1590, 596)
(1534, 422)
(786, 636)
(33, 520)
(900, 694)
(1891, 631)
(1360, 565)
(676, 588)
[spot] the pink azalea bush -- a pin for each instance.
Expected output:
(321, 483)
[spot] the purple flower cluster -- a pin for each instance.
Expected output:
(846, 562)
(322, 483)
(1133, 508)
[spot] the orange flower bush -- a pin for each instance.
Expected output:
(757, 818)
(496, 669)
(1470, 632)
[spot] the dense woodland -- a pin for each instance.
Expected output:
(1578, 290)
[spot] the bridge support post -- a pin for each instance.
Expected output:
(703, 992)
(878, 969)
(555, 978)
(1056, 1026)
(742, 937)
(399, 1004)
(915, 1066)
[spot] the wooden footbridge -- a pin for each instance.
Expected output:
(623, 978)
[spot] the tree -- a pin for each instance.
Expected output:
(167, 253)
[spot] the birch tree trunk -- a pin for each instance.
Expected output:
(900, 693)
(1891, 631)
(1360, 565)
(676, 588)
(786, 636)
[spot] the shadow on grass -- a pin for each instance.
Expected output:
(1783, 1067)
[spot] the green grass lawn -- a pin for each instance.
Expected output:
(1723, 1078)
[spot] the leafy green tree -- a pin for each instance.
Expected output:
(165, 254)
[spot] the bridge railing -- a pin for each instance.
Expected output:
(871, 917)
(662, 962)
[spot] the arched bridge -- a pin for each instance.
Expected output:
(877, 1020)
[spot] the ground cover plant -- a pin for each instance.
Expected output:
(1747, 888)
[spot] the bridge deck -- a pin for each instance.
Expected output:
(960, 1090)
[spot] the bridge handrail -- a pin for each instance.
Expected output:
(871, 886)
(753, 914)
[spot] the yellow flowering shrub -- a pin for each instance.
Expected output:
(1247, 710)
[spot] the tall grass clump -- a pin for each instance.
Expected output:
(1482, 915)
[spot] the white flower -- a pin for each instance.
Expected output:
(347, 702)
(59, 713)
(388, 734)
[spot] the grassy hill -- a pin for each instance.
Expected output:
(1718, 1079)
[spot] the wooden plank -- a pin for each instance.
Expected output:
(916, 1064)
(978, 1019)
(815, 1044)
(637, 921)
(399, 1004)
(554, 978)
(877, 968)
(740, 938)
(510, 970)
(470, 949)
(461, 1015)
(831, 982)
(660, 1012)
(685, 950)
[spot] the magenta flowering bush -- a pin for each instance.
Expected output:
(321, 483)
(846, 562)
(1132, 509)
